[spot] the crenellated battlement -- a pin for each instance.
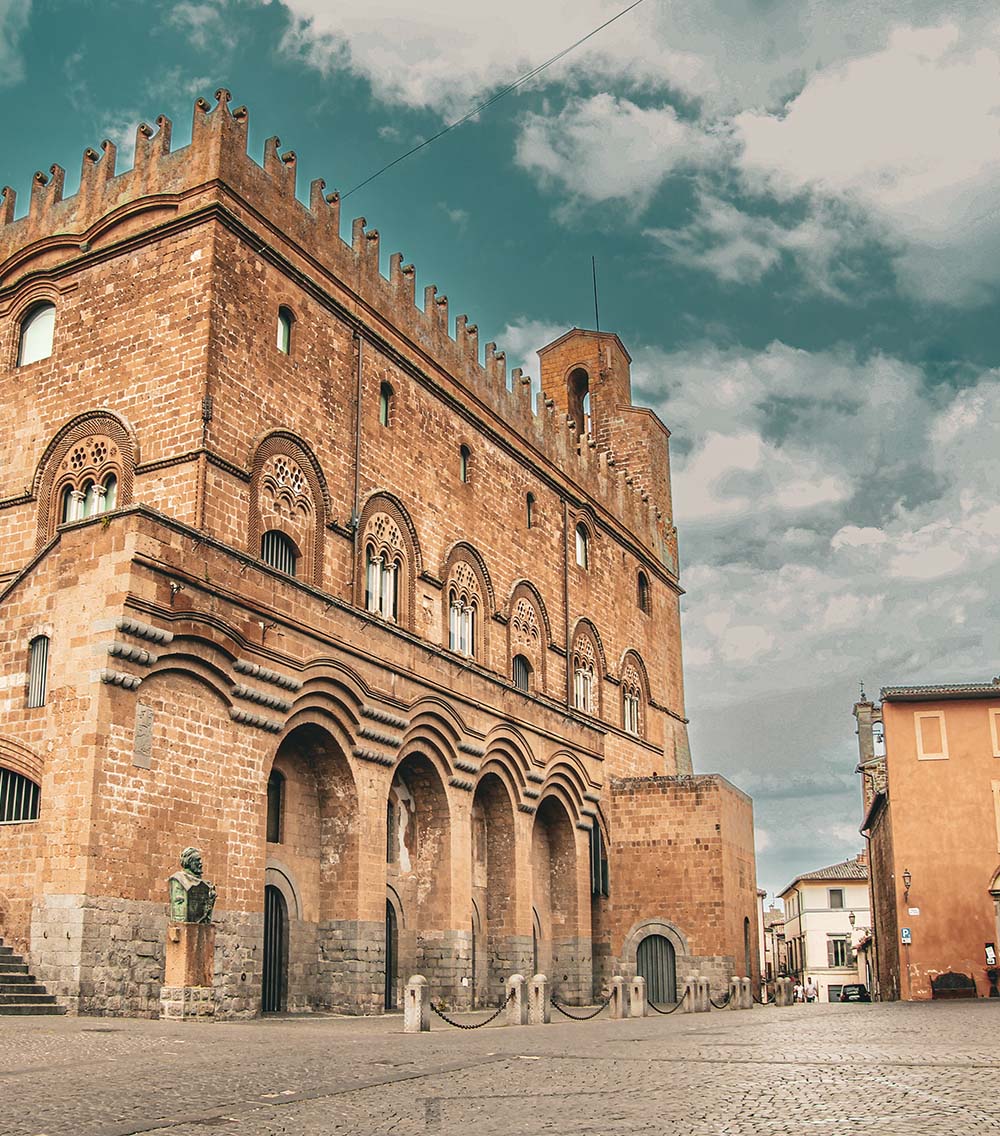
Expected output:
(613, 466)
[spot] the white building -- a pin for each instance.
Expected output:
(818, 925)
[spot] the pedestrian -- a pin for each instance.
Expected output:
(798, 992)
(811, 992)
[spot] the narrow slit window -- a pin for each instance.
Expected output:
(642, 593)
(529, 509)
(464, 454)
(37, 334)
(275, 806)
(521, 672)
(285, 323)
(38, 671)
(385, 405)
(582, 547)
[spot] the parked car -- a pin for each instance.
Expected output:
(855, 992)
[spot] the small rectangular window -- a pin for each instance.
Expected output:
(837, 899)
(38, 671)
(994, 713)
(932, 738)
(838, 952)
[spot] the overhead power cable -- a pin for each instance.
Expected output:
(525, 78)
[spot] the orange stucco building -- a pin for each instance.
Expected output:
(930, 768)
(295, 573)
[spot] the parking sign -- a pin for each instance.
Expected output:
(904, 935)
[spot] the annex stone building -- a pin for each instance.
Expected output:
(296, 574)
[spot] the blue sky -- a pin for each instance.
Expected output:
(795, 207)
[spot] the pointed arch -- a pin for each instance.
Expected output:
(388, 536)
(468, 602)
(529, 632)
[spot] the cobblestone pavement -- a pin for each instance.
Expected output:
(894, 1070)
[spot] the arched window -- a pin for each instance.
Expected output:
(89, 487)
(285, 322)
(464, 455)
(586, 671)
(632, 699)
(382, 573)
(19, 797)
(582, 546)
(642, 593)
(275, 806)
(461, 623)
(578, 400)
(521, 672)
(385, 405)
(36, 335)
(38, 670)
(529, 509)
(279, 551)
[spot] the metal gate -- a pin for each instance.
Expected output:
(656, 963)
(272, 999)
(391, 957)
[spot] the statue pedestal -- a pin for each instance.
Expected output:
(186, 994)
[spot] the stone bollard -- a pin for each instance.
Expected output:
(783, 992)
(539, 1010)
(637, 998)
(734, 993)
(704, 994)
(517, 1007)
(619, 998)
(690, 994)
(416, 1005)
(746, 993)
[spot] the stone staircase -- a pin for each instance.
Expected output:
(19, 992)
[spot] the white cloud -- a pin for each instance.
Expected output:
(571, 149)
(908, 134)
(14, 16)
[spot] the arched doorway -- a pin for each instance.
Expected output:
(494, 882)
(655, 961)
(274, 982)
(555, 900)
(391, 1001)
(418, 871)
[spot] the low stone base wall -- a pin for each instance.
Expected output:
(187, 1003)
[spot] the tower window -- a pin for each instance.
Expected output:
(279, 551)
(642, 593)
(521, 672)
(37, 333)
(630, 712)
(530, 510)
(579, 400)
(384, 404)
(38, 670)
(381, 585)
(464, 454)
(461, 627)
(582, 547)
(285, 322)
(583, 689)
(275, 806)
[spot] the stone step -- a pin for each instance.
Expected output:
(21, 998)
(16, 981)
(7, 952)
(13, 968)
(31, 1008)
(28, 987)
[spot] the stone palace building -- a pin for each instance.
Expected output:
(290, 575)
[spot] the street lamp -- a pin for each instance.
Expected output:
(852, 919)
(907, 880)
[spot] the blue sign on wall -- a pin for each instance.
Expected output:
(904, 935)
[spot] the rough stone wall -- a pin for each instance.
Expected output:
(882, 892)
(351, 971)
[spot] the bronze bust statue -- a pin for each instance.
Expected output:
(191, 897)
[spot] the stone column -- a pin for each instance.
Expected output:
(539, 1010)
(734, 993)
(416, 1005)
(783, 992)
(690, 995)
(517, 1007)
(619, 998)
(704, 995)
(637, 998)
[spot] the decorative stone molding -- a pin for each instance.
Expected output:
(245, 718)
(243, 666)
(373, 755)
(461, 783)
(466, 766)
(471, 748)
(529, 809)
(145, 631)
(536, 778)
(262, 699)
(392, 740)
(133, 654)
(120, 678)
(377, 714)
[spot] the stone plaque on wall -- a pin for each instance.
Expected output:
(142, 754)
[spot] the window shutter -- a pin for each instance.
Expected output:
(831, 958)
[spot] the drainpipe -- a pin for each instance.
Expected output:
(569, 661)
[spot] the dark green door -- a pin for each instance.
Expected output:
(656, 963)
(275, 976)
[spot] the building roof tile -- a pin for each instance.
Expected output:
(941, 690)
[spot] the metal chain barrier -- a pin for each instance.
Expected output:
(579, 1017)
(477, 1025)
(673, 1009)
(725, 1000)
